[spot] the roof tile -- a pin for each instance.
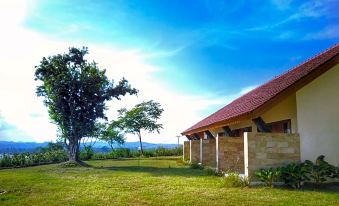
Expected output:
(262, 94)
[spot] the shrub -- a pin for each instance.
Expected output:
(195, 165)
(320, 170)
(294, 175)
(233, 179)
(87, 153)
(213, 172)
(29, 159)
(268, 176)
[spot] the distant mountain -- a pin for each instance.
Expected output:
(18, 147)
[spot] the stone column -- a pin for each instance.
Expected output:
(201, 155)
(190, 151)
(246, 153)
(217, 151)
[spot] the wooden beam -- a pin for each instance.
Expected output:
(196, 136)
(278, 98)
(209, 134)
(261, 125)
(228, 132)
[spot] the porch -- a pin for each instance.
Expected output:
(244, 154)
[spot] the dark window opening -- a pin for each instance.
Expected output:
(283, 126)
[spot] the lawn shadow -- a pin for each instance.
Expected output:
(157, 171)
(329, 187)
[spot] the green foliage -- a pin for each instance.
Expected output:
(161, 151)
(87, 153)
(321, 170)
(30, 159)
(233, 179)
(213, 172)
(195, 165)
(75, 92)
(143, 116)
(112, 134)
(121, 153)
(125, 153)
(268, 176)
(294, 175)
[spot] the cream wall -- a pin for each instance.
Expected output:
(286, 109)
(318, 117)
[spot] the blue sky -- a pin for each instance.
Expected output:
(191, 56)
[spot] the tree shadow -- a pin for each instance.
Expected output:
(157, 171)
(330, 187)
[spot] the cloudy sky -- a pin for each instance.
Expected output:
(191, 56)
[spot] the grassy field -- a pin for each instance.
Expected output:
(139, 182)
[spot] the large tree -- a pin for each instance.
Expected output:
(75, 92)
(143, 116)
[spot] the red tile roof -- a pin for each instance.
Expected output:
(262, 94)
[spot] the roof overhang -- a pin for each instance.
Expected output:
(292, 89)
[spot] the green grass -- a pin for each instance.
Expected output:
(139, 182)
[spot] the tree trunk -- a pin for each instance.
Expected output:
(141, 149)
(74, 151)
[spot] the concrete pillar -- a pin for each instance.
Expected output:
(201, 155)
(217, 151)
(190, 151)
(246, 153)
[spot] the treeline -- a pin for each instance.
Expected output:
(127, 153)
(56, 153)
(31, 159)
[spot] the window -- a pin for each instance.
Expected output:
(283, 126)
(240, 132)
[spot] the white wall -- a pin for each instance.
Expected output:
(318, 117)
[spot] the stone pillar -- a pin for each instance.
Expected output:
(201, 155)
(208, 152)
(246, 153)
(186, 150)
(194, 151)
(217, 151)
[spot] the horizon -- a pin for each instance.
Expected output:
(201, 58)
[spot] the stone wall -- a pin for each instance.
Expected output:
(195, 151)
(208, 152)
(231, 154)
(186, 150)
(264, 150)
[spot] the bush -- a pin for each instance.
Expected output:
(29, 159)
(321, 170)
(268, 176)
(195, 165)
(233, 179)
(294, 175)
(213, 172)
(87, 153)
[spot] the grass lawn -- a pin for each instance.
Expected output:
(139, 182)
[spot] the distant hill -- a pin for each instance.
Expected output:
(18, 147)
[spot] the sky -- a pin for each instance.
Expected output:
(193, 57)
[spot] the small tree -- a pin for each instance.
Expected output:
(143, 116)
(75, 92)
(112, 135)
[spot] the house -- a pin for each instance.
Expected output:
(293, 117)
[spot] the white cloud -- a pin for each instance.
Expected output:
(282, 4)
(330, 32)
(22, 49)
